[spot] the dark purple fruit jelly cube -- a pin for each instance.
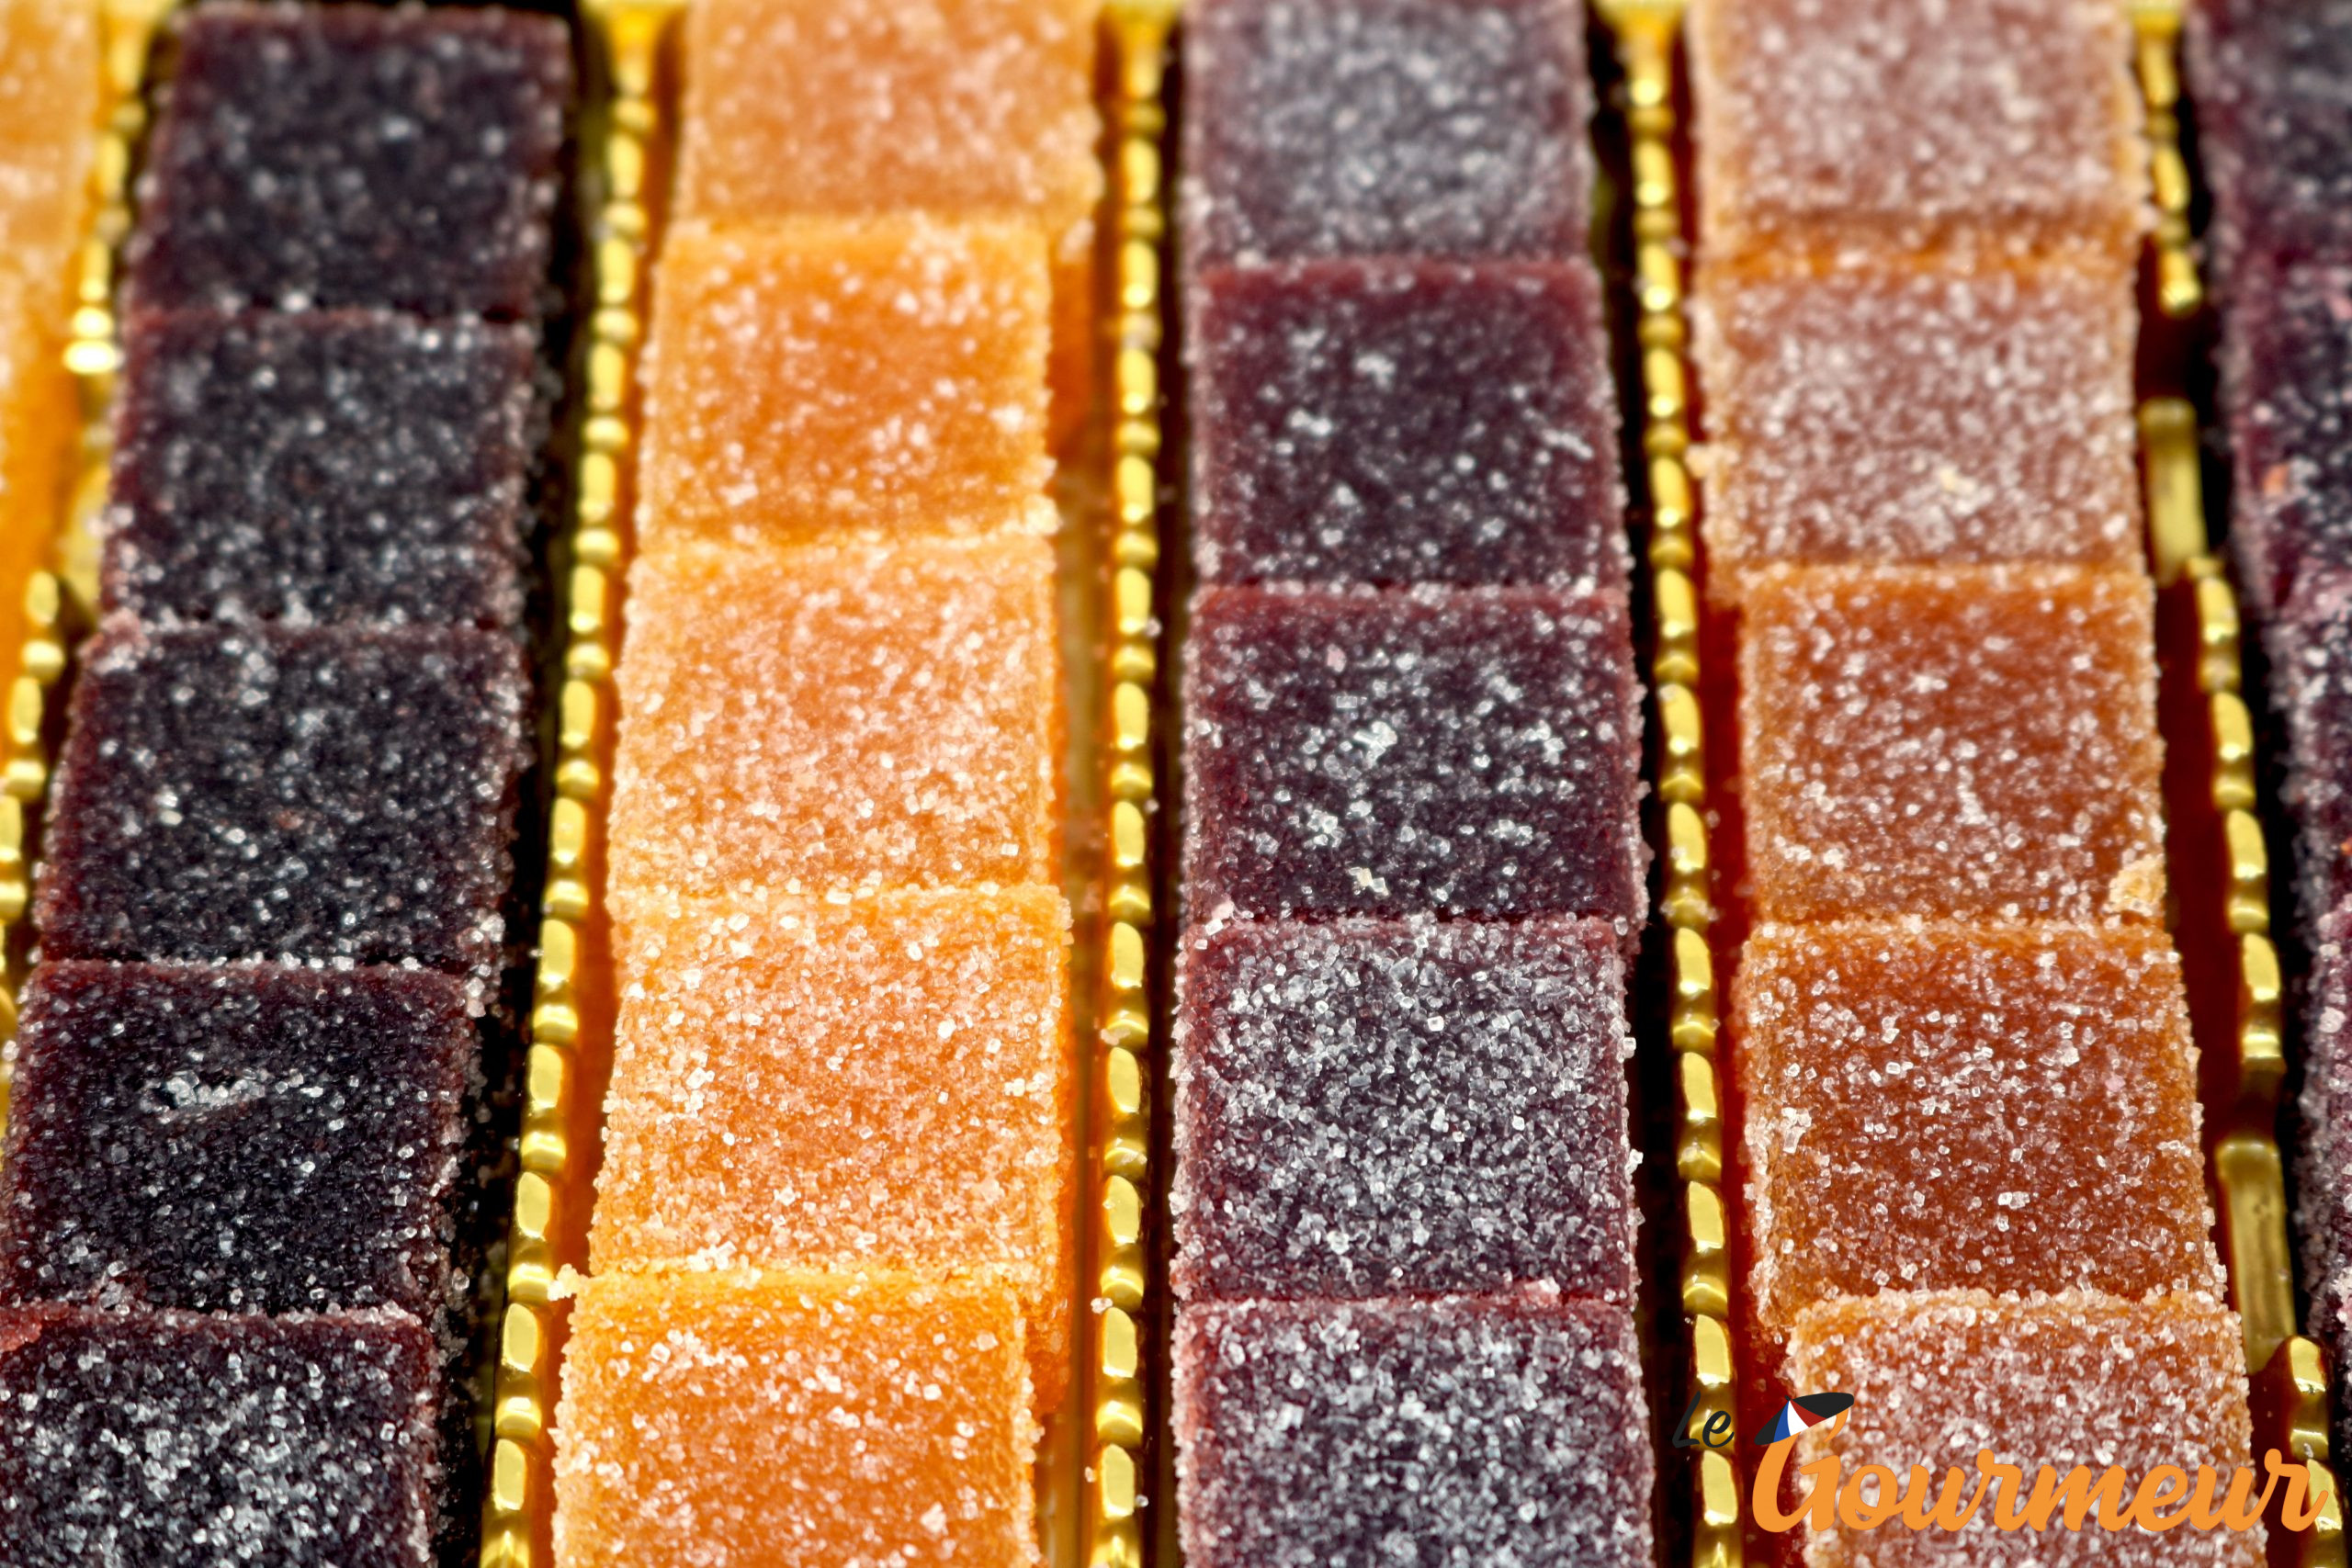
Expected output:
(1460, 751)
(235, 1138)
(1409, 127)
(265, 793)
(1393, 423)
(2272, 89)
(321, 467)
(330, 155)
(2311, 683)
(2324, 1155)
(1492, 1429)
(2287, 379)
(174, 1440)
(1381, 1108)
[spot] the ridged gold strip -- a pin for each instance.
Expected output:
(1647, 33)
(2155, 24)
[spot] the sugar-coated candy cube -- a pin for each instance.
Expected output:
(1978, 743)
(1406, 127)
(331, 155)
(2286, 360)
(1394, 421)
(798, 1420)
(2311, 683)
(1977, 126)
(1503, 1429)
(818, 378)
(49, 63)
(235, 1138)
(39, 418)
(178, 1441)
(321, 467)
(818, 719)
(1464, 752)
(1901, 414)
(2273, 119)
(1376, 1108)
(1938, 1107)
(265, 793)
(2075, 1379)
(2324, 1152)
(788, 1085)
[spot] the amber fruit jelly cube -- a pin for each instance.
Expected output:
(1391, 422)
(1973, 743)
(174, 1440)
(1466, 752)
(1508, 1428)
(1936, 1107)
(826, 718)
(39, 419)
(795, 1421)
(812, 380)
(264, 792)
(2286, 361)
(328, 155)
(2273, 119)
(1901, 414)
(1371, 1108)
(49, 63)
(343, 467)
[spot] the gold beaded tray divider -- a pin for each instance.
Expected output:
(1091, 1492)
(2210, 727)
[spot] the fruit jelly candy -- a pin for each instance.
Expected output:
(50, 60)
(1973, 742)
(1464, 752)
(321, 467)
(788, 1085)
(820, 378)
(1900, 414)
(335, 155)
(1976, 126)
(1368, 1109)
(2286, 360)
(2273, 118)
(793, 1421)
(1394, 421)
(262, 793)
(1503, 1429)
(2324, 1153)
(2075, 1379)
(1933, 1107)
(178, 1441)
(1408, 128)
(39, 423)
(829, 718)
(2311, 682)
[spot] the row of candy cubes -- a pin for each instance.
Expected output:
(254, 1146)
(1412, 867)
(1967, 1085)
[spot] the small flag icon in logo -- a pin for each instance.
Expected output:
(1804, 1411)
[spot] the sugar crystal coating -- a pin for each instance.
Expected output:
(38, 417)
(2272, 89)
(838, 718)
(1409, 127)
(1902, 414)
(2077, 1378)
(2286, 362)
(815, 378)
(790, 1087)
(779, 1420)
(2310, 684)
(264, 792)
(1392, 423)
(1459, 751)
(1985, 126)
(1936, 1107)
(331, 155)
(173, 1440)
(320, 467)
(2324, 1151)
(49, 61)
(1508, 1428)
(237, 1138)
(1974, 743)
(1367, 1109)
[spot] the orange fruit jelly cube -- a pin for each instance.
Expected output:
(38, 417)
(789, 1086)
(838, 718)
(1942, 1107)
(955, 108)
(49, 63)
(2070, 1380)
(794, 1421)
(1976, 743)
(818, 378)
